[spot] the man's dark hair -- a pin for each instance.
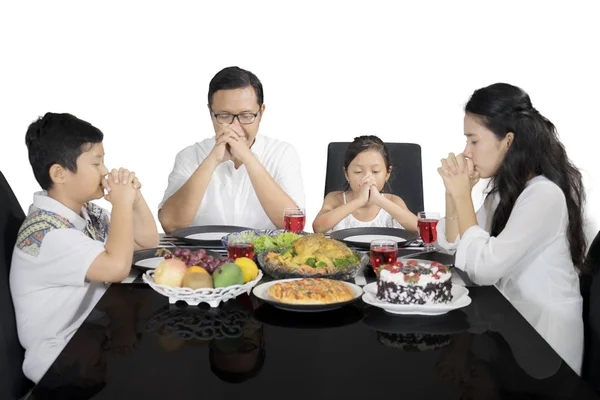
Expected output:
(58, 139)
(235, 78)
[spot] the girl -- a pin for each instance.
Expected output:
(367, 169)
(528, 237)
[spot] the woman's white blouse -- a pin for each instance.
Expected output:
(530, 263)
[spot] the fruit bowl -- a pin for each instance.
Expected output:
(212, 296)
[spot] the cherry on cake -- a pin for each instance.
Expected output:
(414, 282)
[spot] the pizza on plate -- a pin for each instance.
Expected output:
(311, 291)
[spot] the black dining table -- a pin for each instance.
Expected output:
(135, 345)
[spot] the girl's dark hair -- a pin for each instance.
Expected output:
(235, 78)
(363, 143)
(535, 150)
(58, 139)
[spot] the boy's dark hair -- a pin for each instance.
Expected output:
(58, 139)
(235, 78)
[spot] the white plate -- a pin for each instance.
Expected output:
(370, 238)
(150, 263)
(460, 299)
(208, 235)
(262, 292)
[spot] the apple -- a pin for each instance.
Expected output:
(170, 272)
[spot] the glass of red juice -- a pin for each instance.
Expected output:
(294, 219)
(428, 228)
(240, 247)
(383, 252)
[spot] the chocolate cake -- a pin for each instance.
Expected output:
(415, 282)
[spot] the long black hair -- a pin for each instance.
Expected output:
(535, 150)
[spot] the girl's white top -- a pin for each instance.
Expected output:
(383, 219)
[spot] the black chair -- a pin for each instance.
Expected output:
(590, 291)
(407, 172)
(13, 384)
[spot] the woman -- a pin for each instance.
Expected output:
(527, 238)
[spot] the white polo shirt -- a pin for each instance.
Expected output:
(54, 249)
(230, 198)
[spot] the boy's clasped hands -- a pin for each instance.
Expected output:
(122, 186)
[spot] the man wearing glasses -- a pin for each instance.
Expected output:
(236, 177)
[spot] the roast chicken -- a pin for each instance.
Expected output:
(321, 248)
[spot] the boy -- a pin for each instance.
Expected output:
(65, 249)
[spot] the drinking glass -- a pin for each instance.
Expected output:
(294, 219)
(240, 246)
(383, 251)
(427, 228)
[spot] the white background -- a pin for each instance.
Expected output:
(331, 71)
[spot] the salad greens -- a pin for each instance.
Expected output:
(266, 243)
(344, 262)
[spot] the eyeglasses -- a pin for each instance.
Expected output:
(243, 118)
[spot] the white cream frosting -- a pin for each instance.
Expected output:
(424, 279)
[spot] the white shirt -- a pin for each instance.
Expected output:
(530, 263)
(51, 296)
(383, 219)
(230, 198)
